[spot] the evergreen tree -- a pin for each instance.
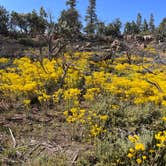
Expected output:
(139, 21)
(68, 22)
(4, 20)
(71, 4)
(161, 31)
(19, 22)
(91, 18)
(113, 29)
(131, 28)
(134, 28)
(145, 27)
(151, 23)
(43, 13)
(42, 20)
(162, 25)
(29, 23)
(101, 29)
(128, 28)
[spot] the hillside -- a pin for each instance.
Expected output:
(58, 110)
(80, 88)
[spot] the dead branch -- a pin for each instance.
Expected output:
(35, 148)
(155, 85)
(148, 70)
(13, 139)
(75, 156)
(42, 65)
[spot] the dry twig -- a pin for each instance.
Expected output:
(13, 139)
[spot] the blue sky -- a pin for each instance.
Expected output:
(107, 10)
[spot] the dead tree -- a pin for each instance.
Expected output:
(55, 41)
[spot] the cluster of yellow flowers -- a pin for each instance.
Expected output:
(91, 93)
(136, 151)
(75, 115)
(25, 78)
(72, 94)
(4, 60)
(93, 122)
(161, 139)
(139, 153)
(71, 80)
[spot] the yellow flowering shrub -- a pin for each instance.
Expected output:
(91, 93)
(93, 97)
(4, 60)
(139, 153)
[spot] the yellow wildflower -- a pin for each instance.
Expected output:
(103, 117)
(139, 161)
(65, 113)
(151, 151)
(133, 138)
(144, 157)
(130, 155)
(139, 146)
(164, 118)
(131, 150)
(26, 102)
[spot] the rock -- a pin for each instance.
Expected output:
(16, 118)
(148, 38)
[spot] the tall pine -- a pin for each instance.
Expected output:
(151, 23)
(91, 18)
(139, 21)
(71, 3)
(145, 26)
(4, 20)
(69, 23)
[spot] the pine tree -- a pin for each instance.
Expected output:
(161, 31)
(128, 28)
(145, 26)
(101, 28)
(4, 20)
(151, 23)
(68, 22)
(134, 28)
(71, 4)
(139, 21)
(113, 29)
(91, 18)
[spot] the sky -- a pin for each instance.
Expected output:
(107, 10)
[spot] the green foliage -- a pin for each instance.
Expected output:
(131, 28)
(71, 4)
(4, 20)
(139, 21)
(161, 31)
(114, 28)
(101, 28)
(91, 18)
(31, 43)
(151, 24)
(145, 26)
(69, 24)
(140, 27)
(37, 22)
(19, 21)
(30, 23)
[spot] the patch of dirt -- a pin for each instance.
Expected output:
(37, 133)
